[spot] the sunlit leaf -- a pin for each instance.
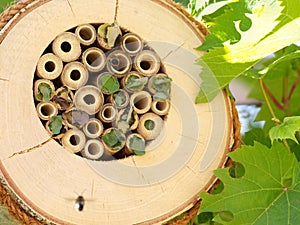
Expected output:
(286, 130)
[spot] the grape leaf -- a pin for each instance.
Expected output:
(267, 194)
(236, 55)
(286, 130)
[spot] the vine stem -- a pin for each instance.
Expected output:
(274, 118)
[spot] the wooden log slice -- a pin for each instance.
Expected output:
(153, 188)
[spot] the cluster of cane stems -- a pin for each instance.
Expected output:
(101, 91)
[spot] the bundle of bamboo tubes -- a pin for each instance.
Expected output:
(100, 90)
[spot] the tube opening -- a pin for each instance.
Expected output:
(108, 113)
(141, 102)
(47, 110)
(161, 106)
(146, 65)
(89, 99)
(149, 124)
(50, 66)
(74, 140)
(119, 62)
(75, 75)
(86, 33)
(93, 149)
(132, 44)
(94, 59)
(93, 128)
(65, 46)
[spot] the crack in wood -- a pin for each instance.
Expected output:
(30, 149)
(139, 172)
(173, 51)
(71, 7)
(3, 79)
(116, 11)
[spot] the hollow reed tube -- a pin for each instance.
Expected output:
(74, 75)
(86, 34)
(150, 126)
(132, 44)
(108, 113)
(74, 140)
(93, 128)
(88, 99)
(160, 107)
(49, 66)
(141, 102)
(118, 63)
(94, 59)
(67, 47)
(93, 149)
(37, 89)
(147, 63)
(46, 110)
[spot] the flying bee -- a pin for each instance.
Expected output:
(80, 200)
(79, 203)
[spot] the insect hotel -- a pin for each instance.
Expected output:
(99, 122)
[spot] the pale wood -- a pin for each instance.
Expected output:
(49, 178)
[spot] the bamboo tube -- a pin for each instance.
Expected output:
(49, 66)
(129, 78)
(150, 126)
(119, 99)
(94, 59)
(67, 47)
(46, 110)
(93, 128)
(147, 63)
(74, 75)
(37, 94)
(88, 99)
(132, 44)
(136, 146)
(74, 140)
(113, 135)
(141, 102)
(86, 34)
(63, 98)
(93, 149)
(108, 113)
(118, 63)
(75, 118)
(160, 108)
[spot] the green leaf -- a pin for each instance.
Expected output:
(236, 55)
(286, 130)
(138, 145)
(45, 92)
(108, 84)
(56, 124)
(260, 197)
(161, 96)
(135, 84)
(109, 33)
(258, 135)
(114, 139)
(119, 98)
